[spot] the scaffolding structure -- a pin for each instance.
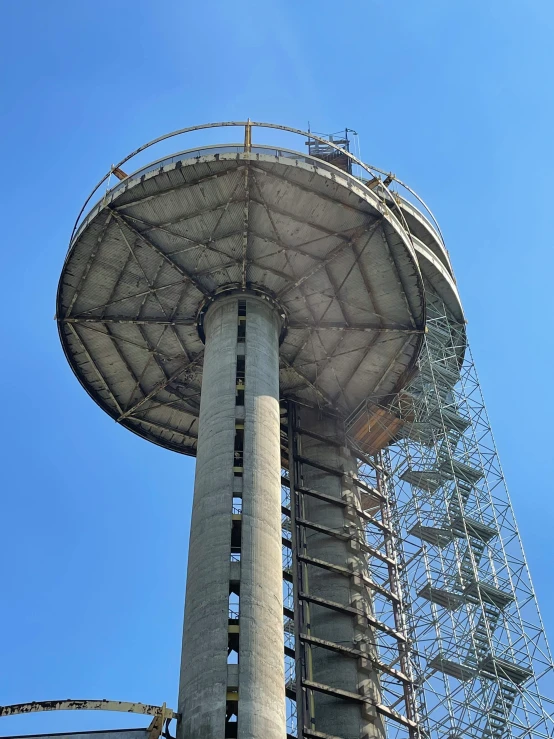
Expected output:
(364, 519)
(481, 649)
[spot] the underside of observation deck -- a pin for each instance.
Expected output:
(150, 258)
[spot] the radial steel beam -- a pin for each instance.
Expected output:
(88, 265)
(181, 186)
(156, 389)
(122, 220)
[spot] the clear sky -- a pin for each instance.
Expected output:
(454, 96)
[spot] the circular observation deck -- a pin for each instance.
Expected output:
(345, 262)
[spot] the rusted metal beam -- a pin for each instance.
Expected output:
(150, 356)
(354, 612)
(366, 279)
(123, 359)
(391, 364)
(87, 705)
(119, 173)
(102, 734)
(188, 405)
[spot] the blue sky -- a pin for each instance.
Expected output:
(454, 97)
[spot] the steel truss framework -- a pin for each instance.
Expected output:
(476, 655)
(480, 642)
(385, 634)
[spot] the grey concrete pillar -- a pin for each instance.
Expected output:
(261, 658)
(335, 716)
(207, 680)
(203, 683)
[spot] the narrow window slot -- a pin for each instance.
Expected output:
(238, 460)
(233, 630)
(234, 607)
(231, 718)
(236, 538)
(241, 332)
(240, 368)
(241, 372)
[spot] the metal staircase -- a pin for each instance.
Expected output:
(482, 657)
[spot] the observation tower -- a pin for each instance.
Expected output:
(289, 316)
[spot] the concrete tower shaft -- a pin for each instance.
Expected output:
(235, 540)
(347, 584)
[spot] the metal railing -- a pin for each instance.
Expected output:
(379, 183)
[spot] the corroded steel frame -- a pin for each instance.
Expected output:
(161, 715)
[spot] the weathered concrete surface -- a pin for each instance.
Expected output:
(204, 678)
(334, 715)
(203, 683)
(261, 660)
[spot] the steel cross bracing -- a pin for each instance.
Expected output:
(147, 317)
(477, 629)
(384, 640)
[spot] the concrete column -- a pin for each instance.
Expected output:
(203, 683)
(261, 657)
(335, 716)
(205, 674)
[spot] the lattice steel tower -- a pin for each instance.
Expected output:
(292, 320)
